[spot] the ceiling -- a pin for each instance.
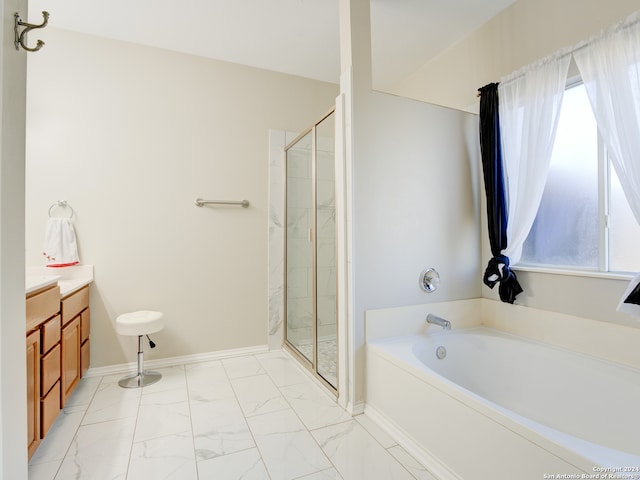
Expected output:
(298, 37)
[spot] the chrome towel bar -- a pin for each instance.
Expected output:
(200, 202)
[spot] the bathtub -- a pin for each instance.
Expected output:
(479, 404)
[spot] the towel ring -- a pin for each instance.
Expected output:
(61, 204)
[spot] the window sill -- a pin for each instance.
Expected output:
(574, 273)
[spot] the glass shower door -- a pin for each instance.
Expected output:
(326, 309)
(311, 287)
(299, 243)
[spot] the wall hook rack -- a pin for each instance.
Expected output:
(20, 36)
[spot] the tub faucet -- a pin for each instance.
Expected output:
(435, 320)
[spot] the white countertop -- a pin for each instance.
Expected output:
(69, 279)
(36, 282)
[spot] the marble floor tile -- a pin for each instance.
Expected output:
(208, 382)
(44, 471)
(112, 402)
(410, 463)
(288, 449)
(258, 395)
(219, 428)
(164, 397)
(55, 445)
(329, 474)
(115, 377)
(314, 407)
(84, 392)
(163, 458)
(172, 378)
(357, 455)
(376, 431)
(282, 369)
(213, 369)
(242, 367)
(244, 465)
(162, 419)
(99, 451)
(257, 417)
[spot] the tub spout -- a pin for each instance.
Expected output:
(435, 320)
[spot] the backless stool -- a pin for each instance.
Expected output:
(140, 323)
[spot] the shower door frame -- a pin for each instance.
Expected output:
(312, 365)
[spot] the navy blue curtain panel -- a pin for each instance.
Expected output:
(634, 296)
(498, 270)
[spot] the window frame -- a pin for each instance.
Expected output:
(604, 203)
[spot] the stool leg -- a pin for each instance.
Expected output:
(142, 378)
(140, 356)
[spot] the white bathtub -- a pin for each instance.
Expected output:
(499, 406)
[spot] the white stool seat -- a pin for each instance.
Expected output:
(140, 323)
(143, 322)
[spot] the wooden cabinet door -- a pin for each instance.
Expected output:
(33, 392)
(50, 408)
(70, 358)
(50, 370)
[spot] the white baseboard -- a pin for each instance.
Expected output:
(431, 463)
(174, 361)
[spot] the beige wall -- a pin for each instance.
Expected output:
(130, 136)
(523, 33)
(414, 206)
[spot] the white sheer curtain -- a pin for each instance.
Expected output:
(610, 69)
(530, 103)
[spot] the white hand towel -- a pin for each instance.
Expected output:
(60, 247)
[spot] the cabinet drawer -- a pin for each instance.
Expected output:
(51, 333)
(50, 370)
(74, 304)
(85, 324)
(41, 306)
(50, 408)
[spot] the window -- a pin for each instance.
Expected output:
(584, 221)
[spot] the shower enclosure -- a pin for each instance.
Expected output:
(310, 251)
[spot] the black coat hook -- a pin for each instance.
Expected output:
(20, 37)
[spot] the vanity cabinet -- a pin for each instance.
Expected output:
(58, 333)
(75, 340)
(43, 363)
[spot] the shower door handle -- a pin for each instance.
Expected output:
(311, 235)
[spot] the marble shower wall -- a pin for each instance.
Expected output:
(277, 141)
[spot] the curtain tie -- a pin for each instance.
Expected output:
(498, 271)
